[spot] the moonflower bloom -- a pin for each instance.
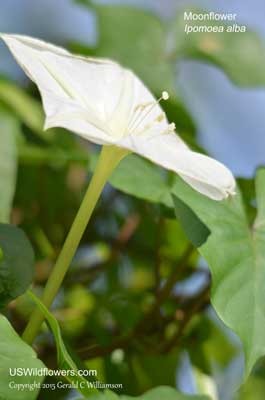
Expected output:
(109, 105)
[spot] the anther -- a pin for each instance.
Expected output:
(140, 116)
(171, 128)
(165, 95)
(160, 117)
(143, 106)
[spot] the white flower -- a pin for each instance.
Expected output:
(107, 104)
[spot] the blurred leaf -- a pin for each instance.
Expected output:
(25, 107)
(36, 155)
(235, 254)
(205, 384)
(16, 265)
(89, 3)
(79, 304)
(50, 187)
(159, 393)
(14, 353)
(8, 164)
(81, 48)
(240, 55)
(165, 393)
(253, 389)
(151, 371)
(174, 241)
(213, 348)
(177, 113)
(65, 362)
(218, 348)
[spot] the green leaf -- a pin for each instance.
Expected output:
(253, 389)
(85, 2)
(25, 107)
(37, 155)
(141, 178)
(8, 164)
(247, 189)
(214, 347)
(65, 362)
(16, 264)
(177, 113)
(240, 55)
(155, 370)
(14, 353)
(235, 254)
(195, 229)
(168, 393)
(159, 393)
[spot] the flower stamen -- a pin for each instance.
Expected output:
(139, 117)
(171, 128)
(158, 119)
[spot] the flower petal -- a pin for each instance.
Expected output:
(66, 114)
(112, 101)
(107, 104)
(91, 85)
(203, 173)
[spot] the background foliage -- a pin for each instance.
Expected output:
(136, 302)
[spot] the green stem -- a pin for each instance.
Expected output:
(109, 158)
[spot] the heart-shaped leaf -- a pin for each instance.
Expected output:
(236, 257)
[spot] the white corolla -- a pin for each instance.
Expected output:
(109, 105)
